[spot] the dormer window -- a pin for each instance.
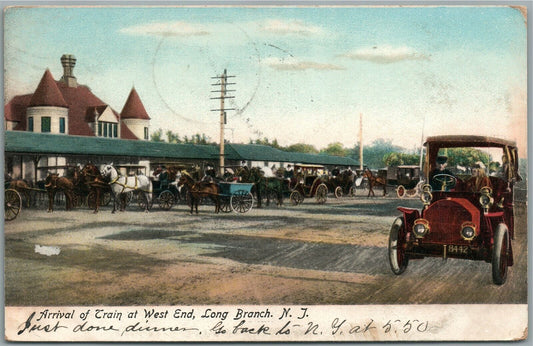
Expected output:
(107, 129)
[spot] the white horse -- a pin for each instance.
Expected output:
(267, 172)
(121, 185)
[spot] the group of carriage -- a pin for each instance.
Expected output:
(169, 186)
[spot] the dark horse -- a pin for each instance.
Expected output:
(263, 186)
(93, 181)
(198, 190)
(374, 181)
(54, 183)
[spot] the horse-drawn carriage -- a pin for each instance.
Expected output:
(227, 196)
(406, 179)
(235, 197)
(165, 189)
(309, 183)
(341, 183)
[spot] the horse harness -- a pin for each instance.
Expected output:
(125, 186)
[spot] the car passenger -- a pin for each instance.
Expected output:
(479, 178)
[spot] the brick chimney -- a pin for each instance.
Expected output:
(68, 61)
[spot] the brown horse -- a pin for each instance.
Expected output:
(198, 190)
(92, 180)
(374, 181)
(23, 187)
(55, 183)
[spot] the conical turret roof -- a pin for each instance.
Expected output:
(47, 93)
(134, 108)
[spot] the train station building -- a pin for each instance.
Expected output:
(31, 156)
(62, 123)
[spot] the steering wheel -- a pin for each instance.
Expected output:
(445, 180)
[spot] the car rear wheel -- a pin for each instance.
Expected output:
(397, 258)
(500, 253)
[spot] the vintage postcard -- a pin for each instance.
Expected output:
(271, 173)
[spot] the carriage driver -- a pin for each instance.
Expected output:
(443, 174)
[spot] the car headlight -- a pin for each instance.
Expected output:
(468, 231)
(421, 228)
(486, 199)
(426, 195)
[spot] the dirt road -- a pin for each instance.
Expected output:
(309, 254)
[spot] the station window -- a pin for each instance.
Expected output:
(45, 124)
(107, 129)
(30, 124)
(146, 133)
(61, 125)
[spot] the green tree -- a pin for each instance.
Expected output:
(335, 149)
(467, 157)
(173, 137)
(157, 135)
(398, 158)
(374, 154)
(302, 148)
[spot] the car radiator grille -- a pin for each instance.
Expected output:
(445, 222)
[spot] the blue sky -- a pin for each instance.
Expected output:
(303, 74)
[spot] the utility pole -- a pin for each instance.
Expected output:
(361, 141)
(223, 83)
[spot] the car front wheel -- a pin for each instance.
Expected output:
(500, 253)
(397, 258)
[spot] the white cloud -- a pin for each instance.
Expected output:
(298, 65)
(293, 27)
(385, 54)
(167, 29)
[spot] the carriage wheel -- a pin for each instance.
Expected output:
(352, 191)
(338, 192)
(272, 196)
(91, 200)
(225, 205)
(128, 197)
(142, 201)
(365, 186)
(321, 193)
(242, 201)
(296, 198)
(13, 204)
(76, 200)
(400, 191)
(166, 200)
(106, 199)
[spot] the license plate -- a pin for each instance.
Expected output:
(458, 249)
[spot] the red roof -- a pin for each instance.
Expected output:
(134, 108)
(125, 132)
(15, 110)
(47, 93)
(81, 103)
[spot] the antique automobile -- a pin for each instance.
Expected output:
(467, 212)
